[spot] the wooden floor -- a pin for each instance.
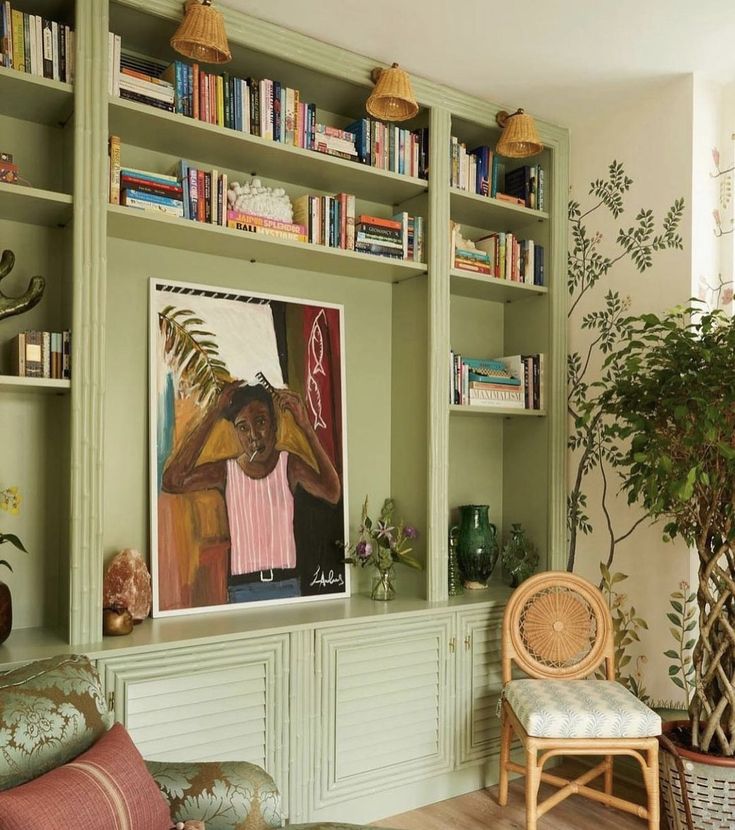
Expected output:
(480, 811)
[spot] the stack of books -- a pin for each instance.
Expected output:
(527, 185)
(514, 382)
(265, 226)
(32, 44)
(41, 354)
(334, 142)
(381, 237)
(468, 259)
(153, 192)
(519, 260)
(328, 220)
(388, 147)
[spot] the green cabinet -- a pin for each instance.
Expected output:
(223, 701)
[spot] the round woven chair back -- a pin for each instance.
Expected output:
(557, 625)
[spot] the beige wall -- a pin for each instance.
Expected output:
(652, 136)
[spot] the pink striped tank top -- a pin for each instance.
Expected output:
(260, 515)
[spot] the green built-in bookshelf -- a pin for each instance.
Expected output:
(78, 450)
(402, 318)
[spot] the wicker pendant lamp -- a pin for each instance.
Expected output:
(392, 99)
(519, 138)
(201, 34)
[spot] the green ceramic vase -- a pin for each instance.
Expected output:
(477, 545)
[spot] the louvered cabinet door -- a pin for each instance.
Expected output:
(479, 683)
(384, 697)
(222, 701)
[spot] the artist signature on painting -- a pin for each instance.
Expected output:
(325, 580)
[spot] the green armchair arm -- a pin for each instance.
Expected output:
(226, 795)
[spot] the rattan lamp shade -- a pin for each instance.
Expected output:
(519, 138)
(201, 34)
(392, 99)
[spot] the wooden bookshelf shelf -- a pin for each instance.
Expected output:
(171, 232)
(493, 214)
(31, 98)
(50, 386)
(19, 203)
(479, 287)
(178, 135)
(497, 411)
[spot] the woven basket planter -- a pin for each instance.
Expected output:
(710, 788)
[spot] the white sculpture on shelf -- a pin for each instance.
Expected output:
(254, 197)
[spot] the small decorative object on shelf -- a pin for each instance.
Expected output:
(127, 585)
(382, 544)
(8, 170)
(454, 578)
(32, 296)
(256, 198)
(519, 558)
(477, 545)
(117, 622)
(10, 503)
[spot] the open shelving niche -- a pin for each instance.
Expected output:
(397, 318)
(36, 214)
(501, 457)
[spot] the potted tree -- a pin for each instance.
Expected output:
(671, 390)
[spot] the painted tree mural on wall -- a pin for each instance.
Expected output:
(590, 438)
(593, 449)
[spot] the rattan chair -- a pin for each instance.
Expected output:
(558, 631)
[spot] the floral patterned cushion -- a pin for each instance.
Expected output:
(227, 795)
(580, 709)
(50, 711)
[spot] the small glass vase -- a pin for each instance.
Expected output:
(383, 587)
(519, 559)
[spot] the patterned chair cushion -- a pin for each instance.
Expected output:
(50, 711)
(580, 709)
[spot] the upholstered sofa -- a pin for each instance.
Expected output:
(54, 711)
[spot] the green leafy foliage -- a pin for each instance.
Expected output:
(192, 352)
(626, 627)
(683, 617)
(383, 542)
(670, 391)
(590, 437)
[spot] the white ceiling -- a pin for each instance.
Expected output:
(561, 59)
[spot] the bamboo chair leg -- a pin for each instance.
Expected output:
(533, 779)
(608, 781)
(505, 740)
(652, 788)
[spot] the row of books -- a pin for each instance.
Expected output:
(514, 382)
(41, 354)
(482, 171)
(388, 147)
(201, 195)
(265, 108)
(502, 256)
(35, 45)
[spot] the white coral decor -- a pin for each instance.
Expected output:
(254, 197)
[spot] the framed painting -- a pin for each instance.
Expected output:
(247, 436)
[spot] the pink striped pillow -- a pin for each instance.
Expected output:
(108, 787)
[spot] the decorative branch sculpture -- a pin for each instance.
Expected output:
(17, 305)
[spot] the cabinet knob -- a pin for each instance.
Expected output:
(452, 644)
(111, 701)
(468, 642)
